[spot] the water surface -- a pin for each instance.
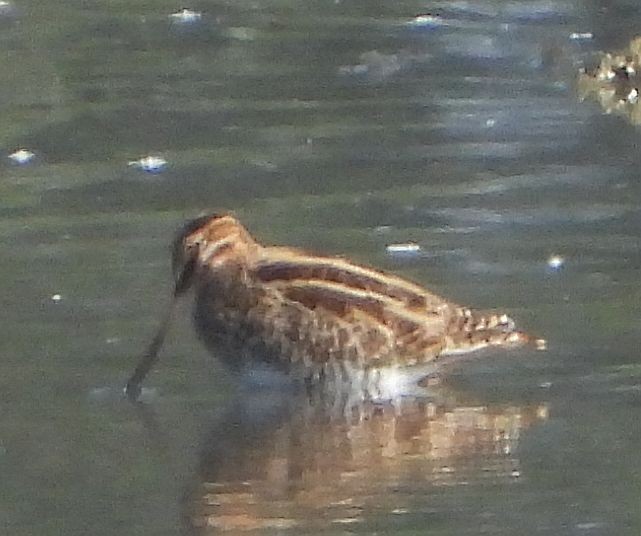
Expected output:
(339, 127)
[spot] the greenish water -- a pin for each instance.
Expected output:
(338, 127)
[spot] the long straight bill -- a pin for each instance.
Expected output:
(132, 389)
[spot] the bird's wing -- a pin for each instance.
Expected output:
(385, 314)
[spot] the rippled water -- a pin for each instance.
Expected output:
(344, 127)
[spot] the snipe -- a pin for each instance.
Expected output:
(319, 318)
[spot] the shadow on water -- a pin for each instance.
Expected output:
(276, 461)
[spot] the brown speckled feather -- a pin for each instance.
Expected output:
(310, 313)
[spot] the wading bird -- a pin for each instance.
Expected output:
(320, 319)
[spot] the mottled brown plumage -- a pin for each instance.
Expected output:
(311, 315)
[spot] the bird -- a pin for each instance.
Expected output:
(319, 319)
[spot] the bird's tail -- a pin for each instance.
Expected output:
(474, 330)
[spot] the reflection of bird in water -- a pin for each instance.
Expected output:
(322, 319)
(288, 462)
